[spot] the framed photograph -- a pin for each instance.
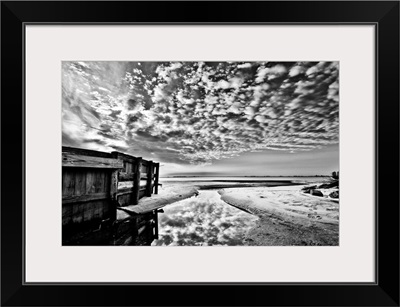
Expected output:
(156, 149)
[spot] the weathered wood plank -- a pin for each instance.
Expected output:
(68, 182)
(125, 185)
(155, 224)
(125, 176)
(125, 199)
(147, 205)
(86, 152)
(66, 215)
(123, 157)
(99, 181)
(69, 199)
(149, 178)
(85, 212)
(88, 212)
(74, 160)
(107, 181)
(128, 167)
(136, 180)
(143, 169)
(99, 212)
(124, 192)
(141, 229)
(80, 182)
(77, 213)
(156, 176)
(113, 186)
(90, 180)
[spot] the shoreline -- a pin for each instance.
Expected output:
(173, 193)
(286, 216)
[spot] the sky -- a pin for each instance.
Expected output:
(207, 118)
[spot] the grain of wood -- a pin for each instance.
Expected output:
(125, 199)
(107, 181)
(143, 169)
(148, 204)
(113, 184)
(76, 160)
(129, 167)
(155, 216)
(90, 182)
(68, 183)
(70, 199)
(66, 214)
(156, 176)
(136, 181)
(125, 191)
(77, 213)
(125, 185)
(149, 178)
(99, 178)
(88, 211)
(80, 182)
(125, 176)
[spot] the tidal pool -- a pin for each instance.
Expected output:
(204, 220)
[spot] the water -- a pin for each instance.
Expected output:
(201, 221)
(206, 219)
(241, 179)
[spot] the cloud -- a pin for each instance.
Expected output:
(296, 70)
(245, 65)
(196, 112)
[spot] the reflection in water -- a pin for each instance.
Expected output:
(203, 220)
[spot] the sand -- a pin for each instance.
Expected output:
(286, 216)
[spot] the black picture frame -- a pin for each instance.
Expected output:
(383, 14)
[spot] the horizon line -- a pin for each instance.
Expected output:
(244, 176)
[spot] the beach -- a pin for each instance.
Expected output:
(285, 215)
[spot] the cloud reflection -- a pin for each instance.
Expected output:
(202, 221)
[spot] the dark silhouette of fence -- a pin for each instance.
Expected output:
(94, 186)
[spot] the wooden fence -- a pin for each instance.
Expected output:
(94, 185)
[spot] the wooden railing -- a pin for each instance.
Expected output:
(95, 183)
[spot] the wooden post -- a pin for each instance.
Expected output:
(157, 167)
(135, 230)
(149, 232)
(156, 224)
(136, 180)
(113, 193)
(149, 183)
(114, 190)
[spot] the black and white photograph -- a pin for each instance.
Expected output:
(152, 152)
(200, 153)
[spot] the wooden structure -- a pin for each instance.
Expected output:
(95, 186)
